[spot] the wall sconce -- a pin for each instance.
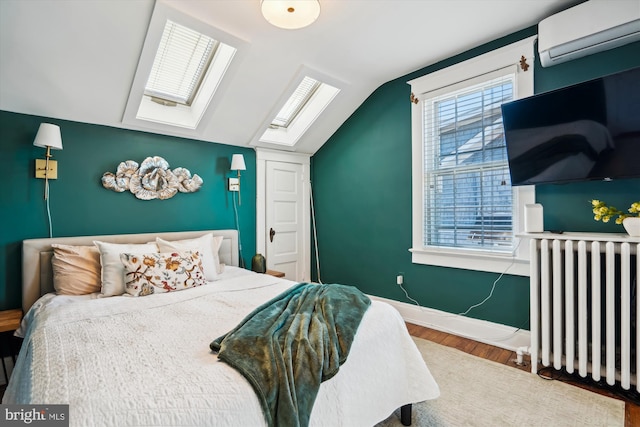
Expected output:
(48, 137)
(237, 164)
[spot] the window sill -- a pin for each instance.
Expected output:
(471, 260)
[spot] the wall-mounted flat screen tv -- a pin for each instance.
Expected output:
(587, 131)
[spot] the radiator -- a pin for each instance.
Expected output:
(584, 305)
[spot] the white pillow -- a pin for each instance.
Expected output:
(112, 269)
(207, 245)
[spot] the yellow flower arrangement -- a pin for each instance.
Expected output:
(604, 213)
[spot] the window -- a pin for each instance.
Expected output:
(467, 201)
(302, 104)
(295, 103)
(181, 61)
(466, 214)
(181, 69)
(188, 67)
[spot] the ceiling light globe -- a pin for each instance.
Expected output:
(290, 14)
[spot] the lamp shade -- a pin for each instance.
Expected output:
(290, 14)
(48, 136)
(237, 163)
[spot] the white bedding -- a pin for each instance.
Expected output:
(145, 361)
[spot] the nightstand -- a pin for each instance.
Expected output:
(10, 320)
(275, 273)
(9, 345)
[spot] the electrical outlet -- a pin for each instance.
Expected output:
(399, 279)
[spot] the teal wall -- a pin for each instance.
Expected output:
(81, 206)
(362, 194)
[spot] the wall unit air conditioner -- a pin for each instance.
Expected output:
(590, 27)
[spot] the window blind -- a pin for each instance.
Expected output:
(296, 102)
(468, 199)
(180, 64)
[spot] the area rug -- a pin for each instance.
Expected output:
(478, 392)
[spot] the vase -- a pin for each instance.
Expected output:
(258, 263)
(632, 225)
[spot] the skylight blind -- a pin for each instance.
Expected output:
(296, 102)
(468, 194)
(180, 64)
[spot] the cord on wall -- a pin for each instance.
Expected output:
(407, 295)
(46, 190)
(235, 210)
(315, 233)
(464, 313)
(493, 287)
(440, 328)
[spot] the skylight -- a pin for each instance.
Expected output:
(182, 67)
(295, 103)
(180, 64)
(306, 102)
(187, 68)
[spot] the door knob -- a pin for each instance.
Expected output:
(272, 233)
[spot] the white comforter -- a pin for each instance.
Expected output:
(126, 361)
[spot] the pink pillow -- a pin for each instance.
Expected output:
(76, 269)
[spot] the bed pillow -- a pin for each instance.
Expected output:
(76, 269)
(112, 274)
(207, 245)
(153, 273)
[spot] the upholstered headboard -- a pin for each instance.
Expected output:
(37, 274)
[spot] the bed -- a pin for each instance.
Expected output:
(126, 360)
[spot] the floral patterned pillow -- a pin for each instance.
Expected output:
(153, 273)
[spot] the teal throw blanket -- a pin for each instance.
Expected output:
(289, 345)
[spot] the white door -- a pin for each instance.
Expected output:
(284, 219)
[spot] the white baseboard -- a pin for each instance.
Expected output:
(494, 334)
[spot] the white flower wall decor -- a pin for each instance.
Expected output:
(151, 180)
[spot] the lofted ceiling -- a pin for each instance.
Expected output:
(76, 59)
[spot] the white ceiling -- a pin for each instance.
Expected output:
(76, 59)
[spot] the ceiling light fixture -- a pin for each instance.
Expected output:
(290, 14)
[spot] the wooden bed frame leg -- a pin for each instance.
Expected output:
(405, 415)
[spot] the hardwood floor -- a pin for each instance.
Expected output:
(632, 410)
(505, 357)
